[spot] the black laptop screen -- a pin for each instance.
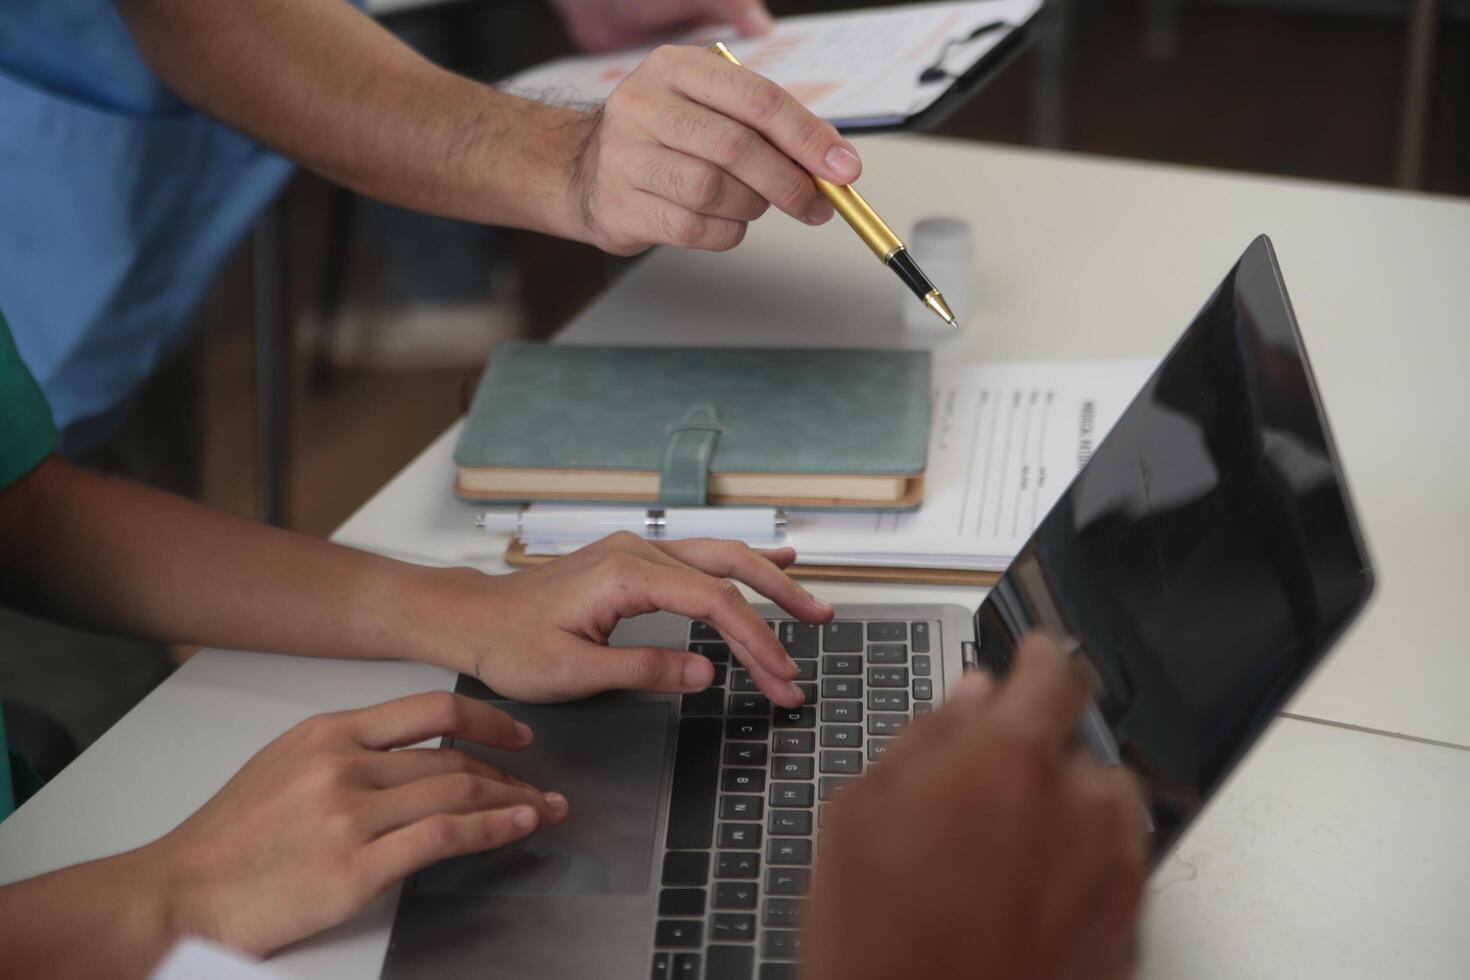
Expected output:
(1206, 556)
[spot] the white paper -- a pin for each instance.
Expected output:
(853, 68)
(1005, 440)
(196, 959)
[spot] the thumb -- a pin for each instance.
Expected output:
(749, 17)
(655, 669)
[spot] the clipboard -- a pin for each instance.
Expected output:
(851, 67)
(516, 557)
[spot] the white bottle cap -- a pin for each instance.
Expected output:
(943, 247)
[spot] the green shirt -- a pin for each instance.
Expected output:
(27, 435)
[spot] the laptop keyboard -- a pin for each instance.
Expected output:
(752, 782)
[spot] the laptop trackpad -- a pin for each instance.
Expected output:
(607, 758)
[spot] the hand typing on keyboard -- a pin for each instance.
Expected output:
(541, 634)
(985, 845)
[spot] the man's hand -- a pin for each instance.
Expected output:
(326, 818)
(690, 148)
(541, 634)
(605, 25)
(985, 844)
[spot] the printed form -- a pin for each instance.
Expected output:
(1004, 441)
(855, 68)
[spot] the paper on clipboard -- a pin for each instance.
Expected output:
(857, 69)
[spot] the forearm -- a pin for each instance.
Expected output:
(101, 551)
(107, 918)
(327, 86)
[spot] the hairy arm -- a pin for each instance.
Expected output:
(326, 85)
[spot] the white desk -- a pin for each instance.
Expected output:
(1334, 852)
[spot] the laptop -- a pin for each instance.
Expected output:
(1207, 556)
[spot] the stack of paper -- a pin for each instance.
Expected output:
(858, 69)
(1004, 441)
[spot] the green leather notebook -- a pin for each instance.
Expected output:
(690, 426)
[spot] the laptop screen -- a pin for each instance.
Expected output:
(1205, 557)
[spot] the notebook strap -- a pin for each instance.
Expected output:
(684, 477)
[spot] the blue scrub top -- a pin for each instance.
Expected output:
(118, 206)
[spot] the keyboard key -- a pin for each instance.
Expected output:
(743, 780)
(741, 807)
(842, 711)
(660, 969)
(790, 823)
(740, 681)
(696, 776)
(791, 767)
(842, 637)
(790, 741)
(919, 637)
(734, 895)
(843, 736)
(738, 864)
(845, 762)
(686, 966)
(779, 971)
(730, 927)
(885, 724)
(710, 701)
(885, 699)
(788, 881)
(679, 934)
(751, 729)
(786, 850)
(842, 665)
(781, 944)
(830, 786)
(729, 962)
(921, 666)
(799, 639)
(686, 868)
(739, 836)
(923, 689)
(821, 816)
(702, 631)
(887, 632)
(791, 794)
(782, 913)
(745, 754)
(803, 717)
(877, 747)
(717, 653)
(681, 901)
(757, 705)
(922, 707)
(888, 653)
(842, 687)
(888, 677)
(807, 688)
(806, 670)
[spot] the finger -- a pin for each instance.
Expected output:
(666, 223)
(965, 704)
(454, 793)
(1046, 691)
(742, 152)
(697, 185)
(413, 719)
(734, 559)
(389, 769)
(592, 668)
(398, 854)
(679, 589)
(770, 110)
(780, 557)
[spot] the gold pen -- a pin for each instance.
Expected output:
(889, 248)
